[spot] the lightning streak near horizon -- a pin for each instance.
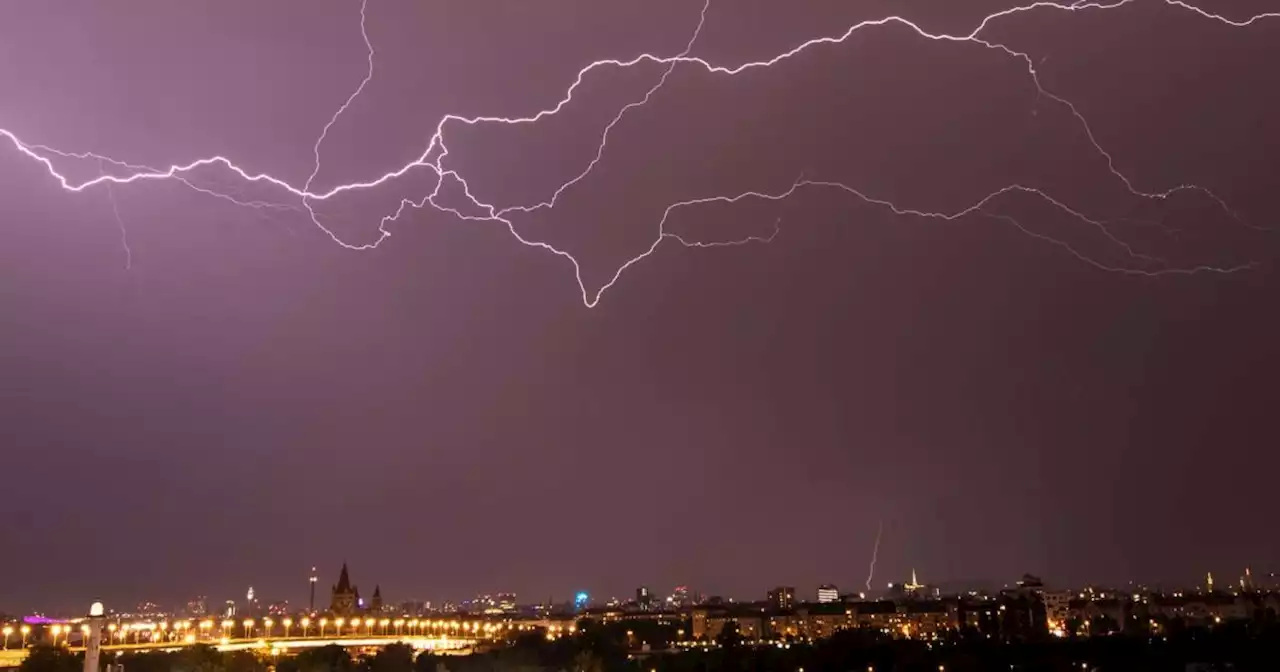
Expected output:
(875, 553)
(123, 173)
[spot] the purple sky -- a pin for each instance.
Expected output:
(246, 399)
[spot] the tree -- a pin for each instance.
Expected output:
(50, 659)
(729, 637)
(586, 661)
(331, 658)
(395, 657)
(426, 662)
(243, 661)
(199, 658)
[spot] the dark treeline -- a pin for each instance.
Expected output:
(599, 648)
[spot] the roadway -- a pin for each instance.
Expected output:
(277, 645)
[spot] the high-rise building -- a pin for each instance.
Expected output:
(251, 606)
(828, 593)
(415, 608)
(1057, 605)
(198, 607)
(644, 598)
(680, 596)
(147, 608)
(783, 597)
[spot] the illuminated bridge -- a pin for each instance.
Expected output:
(279, 645)
(271, 637)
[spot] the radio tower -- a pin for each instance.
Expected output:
(312, 609)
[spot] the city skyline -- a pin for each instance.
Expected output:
(975, 289)
(272, 598)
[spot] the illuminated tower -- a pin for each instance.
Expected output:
(312, 608)
(344, 595)
(93, 643)
(914, 586)
(1208, 582)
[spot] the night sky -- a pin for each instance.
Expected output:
(242, 398)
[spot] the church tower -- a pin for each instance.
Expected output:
(376, 605)
(344, 595)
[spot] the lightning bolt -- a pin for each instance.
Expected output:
(123, 173)
(324, 133)
(875, 553)
(604, 138)
(115, 211)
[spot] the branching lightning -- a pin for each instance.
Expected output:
(123, 173)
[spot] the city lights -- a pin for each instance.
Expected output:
(913, 614)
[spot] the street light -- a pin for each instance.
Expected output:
(306, 623)
(323, 622)
(383, 624)
(226, 628)
(7, 632)
(25, 630)
(337, 624)
(266, 627)
(288, 623)
(368, 624)
(399, 623)
(248, 627)
(56, 630)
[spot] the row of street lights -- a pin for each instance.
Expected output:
(385, 626)
(8, 631)
(59, 632)
(190, 632)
